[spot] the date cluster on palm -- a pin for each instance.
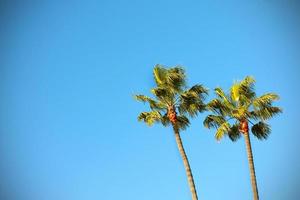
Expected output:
(172, 115)
(244, 128)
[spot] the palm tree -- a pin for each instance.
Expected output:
(233, 112)
(172, 104)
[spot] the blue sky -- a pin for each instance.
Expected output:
(68, 120)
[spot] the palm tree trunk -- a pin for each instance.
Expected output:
(251, 166)
(186, 163)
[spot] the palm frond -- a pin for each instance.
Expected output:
(199, 90)
(265, 112)
(222, 130)
(159, 73)
(265, 100)
(182, 122)
(261, 130)
(191, 101)
(172, 78)
(235, 91)
(150, 117)
(153, 103)
(226, 99)
(234, 133)
(247, 91)
(192, 109)
(220, 93)
(248, 82)
(243, 91)
(163, 94)
(219, 107)
(240, 112)
(213, 121)
(175, 79)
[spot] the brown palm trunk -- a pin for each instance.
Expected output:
(186, 163)
(251, 166)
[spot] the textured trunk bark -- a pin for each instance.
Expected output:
(251, 166)
(186, 164)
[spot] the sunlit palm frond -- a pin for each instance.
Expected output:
(219, 107)
(235, 91)
(222, 130)
(153, 103)
(176, 79)
(265, 112)
(150, 117)
(220, 93)
(225, 98)
(213, 121)
(243, 91)
(265, 100)
(159, 73)
(248, 82)
(172, 78)
(191, 101)
(247, 92)
(163, 94)
(192, 109)
(261, 130)
(199, 91)
(240, 112)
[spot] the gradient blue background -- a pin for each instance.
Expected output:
(68, 120)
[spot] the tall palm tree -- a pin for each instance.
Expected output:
(172, 104)
(233, 112)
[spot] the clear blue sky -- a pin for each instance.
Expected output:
(68, 120)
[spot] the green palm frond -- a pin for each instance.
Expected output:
(191, 101)
(265, 100)
(159, 73)
(182, 122)
(221, 94)
(192, 109)
(261, 130)
(235, 91)
(265, 112)
(243, 91)
(172, 78)
(175, 79)
(219, 107)
(199, 91)
(213, 121)
(150, 117)
(240, 112)
(163, 94)
(248, 82)
(247, 91)
(234, 133)
(222, 130)
(153, 104)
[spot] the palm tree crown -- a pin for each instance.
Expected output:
(172, 96)
(233, 111)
